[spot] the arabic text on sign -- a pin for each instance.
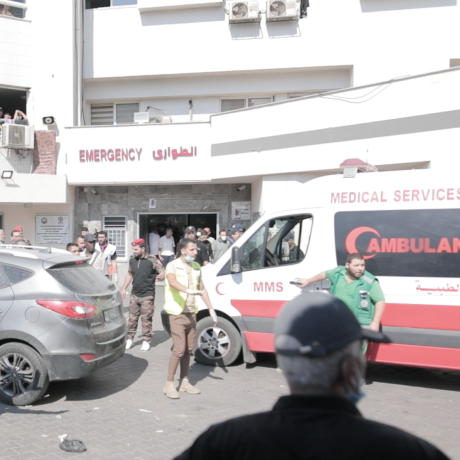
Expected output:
(161, 154)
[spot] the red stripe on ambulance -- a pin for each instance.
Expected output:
(261, 308)
(441, 317)
(414, 355)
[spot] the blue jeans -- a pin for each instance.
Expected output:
(166, 260)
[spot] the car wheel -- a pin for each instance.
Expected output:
(217, 345)
(23, 375)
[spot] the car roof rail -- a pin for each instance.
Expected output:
(43, 249)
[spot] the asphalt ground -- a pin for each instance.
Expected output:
(120, 412)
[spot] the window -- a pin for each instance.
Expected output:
(12, 11)
(254, 250)
(234, 104)
(91, 4)
(125, 112)
(81, 279)
(3, 280)
(115, 226)
(16, 275)
(109, 113)
(279, 242)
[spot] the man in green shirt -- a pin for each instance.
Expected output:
(357, 288)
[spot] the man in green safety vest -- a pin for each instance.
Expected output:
(182, 284)
(357, 288)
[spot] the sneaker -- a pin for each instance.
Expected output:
(145, 346)
(129, 344)
(170, 391)
(185, 385)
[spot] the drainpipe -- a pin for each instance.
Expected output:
(79, 58)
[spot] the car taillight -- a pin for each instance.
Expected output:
(87, 357)
(78, 310)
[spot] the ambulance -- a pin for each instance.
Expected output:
(407, 226)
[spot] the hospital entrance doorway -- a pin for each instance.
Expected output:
(177, 221)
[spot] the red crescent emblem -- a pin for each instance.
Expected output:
(217, 289)
(350, 241)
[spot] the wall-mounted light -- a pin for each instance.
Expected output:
(7, 174)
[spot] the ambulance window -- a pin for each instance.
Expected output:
(253, 254)
(279, 242)
(288, 240)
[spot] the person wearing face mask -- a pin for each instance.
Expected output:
(183, 284)
(318, 347)
(220, 246)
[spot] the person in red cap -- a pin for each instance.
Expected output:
(18, 234)
(143, 270)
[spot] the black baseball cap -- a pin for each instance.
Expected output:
(190, 229)
(321, 324)
(237, 228)
(89, 237)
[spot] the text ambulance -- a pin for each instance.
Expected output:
(407, 226)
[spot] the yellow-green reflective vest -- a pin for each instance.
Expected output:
(174, 299)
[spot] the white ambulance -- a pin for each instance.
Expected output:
(407, 226)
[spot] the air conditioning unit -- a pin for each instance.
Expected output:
(141, 117)
(283, 10)
(241, 12)
(14, 136)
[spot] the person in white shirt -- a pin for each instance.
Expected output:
(154, 240)
(166, 247)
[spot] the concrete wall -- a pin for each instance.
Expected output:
(14, 215)
(15, 52)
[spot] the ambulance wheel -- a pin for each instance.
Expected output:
(218, 345)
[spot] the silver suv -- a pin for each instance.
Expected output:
(60, 319)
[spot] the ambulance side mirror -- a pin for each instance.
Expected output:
(236, 261)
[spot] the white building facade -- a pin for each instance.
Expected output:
(255, 108)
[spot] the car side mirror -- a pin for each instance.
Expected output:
(236, 261)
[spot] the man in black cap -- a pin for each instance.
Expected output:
(202, 256)
(237, 230)
(90, 250)
(318, 345)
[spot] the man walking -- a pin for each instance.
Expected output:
(182, 284)
(166, 247)
(359, 289)
(73, 248)
(109, 256)
(318, 347)
(143, 270)
(154, 241)
(237, 231)
(80, 242)
(202, 256)
(220, 246)
(96, 259)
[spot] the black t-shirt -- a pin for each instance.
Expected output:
(203, 254)
(306, 428)
(144, 271)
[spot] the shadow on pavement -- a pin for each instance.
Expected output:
(267, 360)
(437, 379)
(104, 382)
(5, 409)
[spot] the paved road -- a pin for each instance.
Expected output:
(121, 413)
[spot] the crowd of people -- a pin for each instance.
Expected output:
(18, 117)
(162, 243)
(17, 237)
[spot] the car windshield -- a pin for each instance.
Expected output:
(82, 279)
